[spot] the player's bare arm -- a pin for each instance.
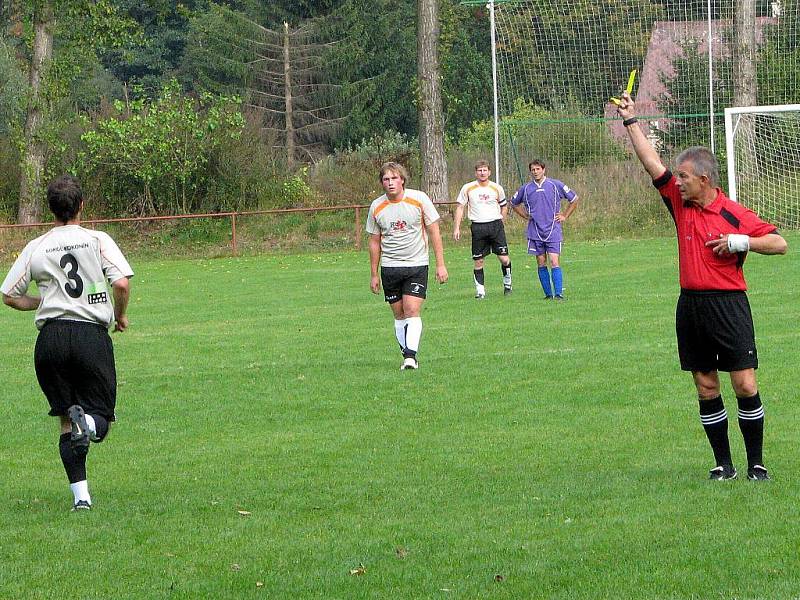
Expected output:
(561, 217)
(520, 210)
(772, 243)
(121, 290)
(25, 302)
(459, 216)
(647, 155)
(438, 252)
(504, 211)
(374, 260)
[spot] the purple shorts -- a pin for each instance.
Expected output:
(539, 247)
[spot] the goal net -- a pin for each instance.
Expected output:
(558, 63)
(763, 160)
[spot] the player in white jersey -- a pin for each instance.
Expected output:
(400, 223)
(73, 268)
(488, 208)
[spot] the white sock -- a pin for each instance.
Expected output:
(80, 491)
(92, 426)
(400, 332)
(413, 333)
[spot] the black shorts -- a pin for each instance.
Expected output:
(715, 331)
(404, 281)
(74, 363)
(488, 237)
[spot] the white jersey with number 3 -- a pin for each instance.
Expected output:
(72, 268)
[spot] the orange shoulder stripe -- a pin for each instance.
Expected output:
(413, 202)
(380, 207)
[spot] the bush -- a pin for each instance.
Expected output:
(534, 132)
(154, 155)
(350, 176)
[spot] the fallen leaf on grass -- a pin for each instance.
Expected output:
(401, 552)
(498, 578)
(360, 570)
(244, 513)
(236, 567)
(259, 584)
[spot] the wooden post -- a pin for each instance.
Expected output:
(233, 235)
(358, 228)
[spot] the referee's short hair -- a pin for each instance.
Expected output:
(703, 161)
(395, 167)
(64, 195)
(482, 163)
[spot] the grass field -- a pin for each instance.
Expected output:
(267, 445)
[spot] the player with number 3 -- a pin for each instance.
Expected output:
(78, 273)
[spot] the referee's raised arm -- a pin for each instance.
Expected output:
(641, 145)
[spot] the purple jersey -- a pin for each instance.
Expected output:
(543, 202)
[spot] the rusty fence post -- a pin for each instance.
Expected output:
(358, 228)
(233, 235)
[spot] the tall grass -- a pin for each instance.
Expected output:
(267, 445)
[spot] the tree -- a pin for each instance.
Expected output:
(89, 26)
(30, 190)
(431, 121)
(744, 54)
(282, 74)
(291, 89)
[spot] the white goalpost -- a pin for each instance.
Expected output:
(763, 160)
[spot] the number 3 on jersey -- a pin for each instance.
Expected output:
(74, 287)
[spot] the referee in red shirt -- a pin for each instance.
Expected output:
(713, 320)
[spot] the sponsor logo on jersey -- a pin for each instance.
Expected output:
(398, 225)
(100, 298)
(67, 248)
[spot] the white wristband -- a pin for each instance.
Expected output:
(738, 242)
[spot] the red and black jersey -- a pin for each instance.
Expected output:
(700, 268)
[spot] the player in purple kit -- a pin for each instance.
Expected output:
(539, 201)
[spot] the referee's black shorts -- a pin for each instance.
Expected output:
(715, 331)
(74, 363)
(488, 237)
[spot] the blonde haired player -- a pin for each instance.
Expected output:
(487, 210)
(400, 223)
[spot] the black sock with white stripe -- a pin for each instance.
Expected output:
(751, 423)
(715, 421)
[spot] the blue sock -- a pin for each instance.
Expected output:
(558, 281)
(544, 278)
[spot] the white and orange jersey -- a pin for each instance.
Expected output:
(401, 224)
(484, 201)
(72, 268)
